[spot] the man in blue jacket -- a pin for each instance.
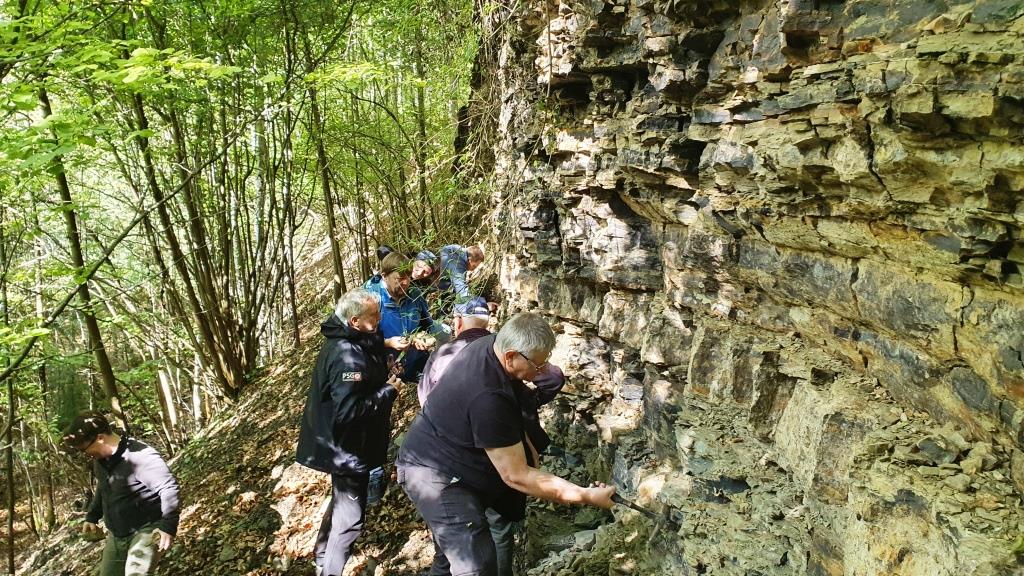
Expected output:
(405, 321)
(347, 421)
(136, 496)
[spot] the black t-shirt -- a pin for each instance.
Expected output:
(473, 407)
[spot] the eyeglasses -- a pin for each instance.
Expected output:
(536, 367)
(75, 450)
(82, 449)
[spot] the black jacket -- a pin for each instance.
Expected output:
(134, 488)
(346, 424)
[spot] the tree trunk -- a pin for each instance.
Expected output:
(323, 171)
(288, 230)
(364, 251)
(78, 262)
(223, 365)
(50, 512)
(30, 490)
(9, 464)
(197, 393)
(168, 410)
(50, 515)
(11, 410)
(421, 132)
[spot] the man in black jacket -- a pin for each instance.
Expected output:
(136, 495)
(346, 424)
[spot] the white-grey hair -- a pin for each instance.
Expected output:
(353, 303)
(526, 332)
(473, 321)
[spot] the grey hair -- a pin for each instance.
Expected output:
(475, 321)
(526, 332)
(353, 303)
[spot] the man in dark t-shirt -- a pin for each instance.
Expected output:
(470, 323)
(467, 449)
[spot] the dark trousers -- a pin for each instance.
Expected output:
(457, 518)
(503, 532)
(342, 523)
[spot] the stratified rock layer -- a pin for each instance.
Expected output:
(783, 244)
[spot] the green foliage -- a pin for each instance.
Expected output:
(140, 374)
(151, 70)
(207, 106)
(11, 337)
(1018, 545)
(70, 393)
(350, 75)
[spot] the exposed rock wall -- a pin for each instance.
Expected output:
(783, 244)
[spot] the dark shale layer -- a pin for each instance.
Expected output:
(782, 241)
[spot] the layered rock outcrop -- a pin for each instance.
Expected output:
(782, 241)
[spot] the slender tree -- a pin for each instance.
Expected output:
(96, 345)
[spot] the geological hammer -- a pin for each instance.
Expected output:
(630, 504)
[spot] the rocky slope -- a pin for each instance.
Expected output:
(782, 241)
(247, 508)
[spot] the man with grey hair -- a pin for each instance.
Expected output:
(346, 425)
(470, 322)
(468, 450)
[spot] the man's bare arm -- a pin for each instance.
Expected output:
(533, 451)
(510, 462)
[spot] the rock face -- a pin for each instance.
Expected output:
(782, 242)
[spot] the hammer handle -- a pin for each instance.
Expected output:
(620, 500)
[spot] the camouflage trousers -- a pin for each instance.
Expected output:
(134, 555)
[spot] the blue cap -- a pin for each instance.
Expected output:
(475, 306)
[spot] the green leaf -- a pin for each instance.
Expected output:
(144, 54)
(217, 71)
(134, 73)
(12, 337)
(1018, 545)
(23, 100)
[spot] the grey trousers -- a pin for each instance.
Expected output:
(457, 519)
(341, 524)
